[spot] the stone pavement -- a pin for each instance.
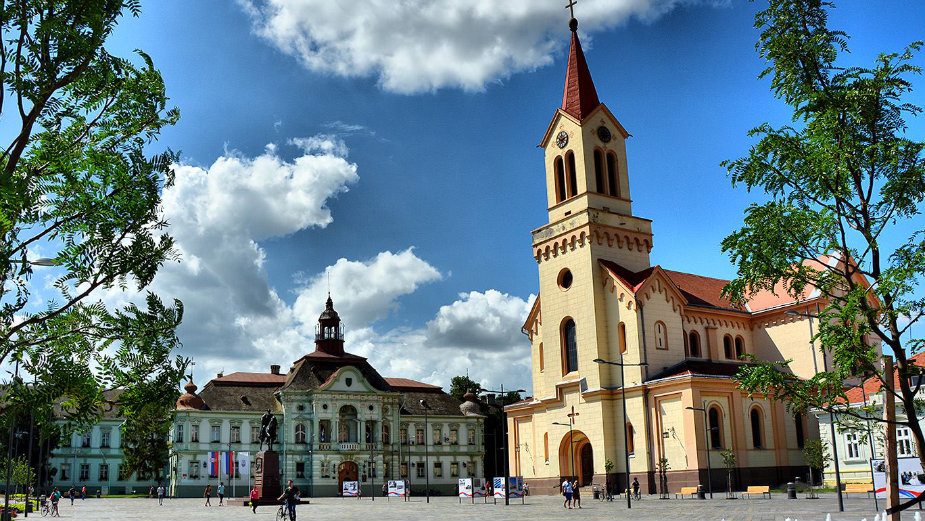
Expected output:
(537, 508)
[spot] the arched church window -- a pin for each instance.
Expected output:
(542, 358)
(716, 433)
(613, 177)
(727, 347)
(599, 172)
(572, 174)
(630, 438)
(546, 446)
(661, 335)
(569, 346)
(740, 347)
(621, 331)
(559, 173)
(756, 427)
(300, 433)
(694, 344)
(798, 423)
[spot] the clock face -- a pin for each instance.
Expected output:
(603, 133)
(562, 139)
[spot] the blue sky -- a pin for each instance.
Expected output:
(428, 249)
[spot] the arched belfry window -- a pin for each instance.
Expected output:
(569, 346)
(599, 172)
(757, 428)
(621, 329)
(716, 433)
(727, 347)
(798, 424)
(572, 174)
(559, 172)
(630, 438)
(694, 344)
(740, 347)
(613, 177)
(661, 335)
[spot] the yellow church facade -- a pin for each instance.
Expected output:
(680, 342)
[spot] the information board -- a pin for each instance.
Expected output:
(351, 489)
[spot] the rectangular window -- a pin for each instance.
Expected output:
(437, 434)
(84, 472)
(255, 433)
(852, 448)
(194, 433)
(454, 436)
(403, 471)
(104, 472)
(403, 435)
(194, 469)
(235, 434)
(65, 471)
(104, 439)
(85, 440)
(438, 469)
(471, 436)
(300, 470)
(454, 469)
(178, 433)
(419, 436)
(124, 475)
(904, 446)
(216, 434)
(386, 468)
(420, 467)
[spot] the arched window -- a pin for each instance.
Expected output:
(347, 424)
(559, 171)
(661, 335)
(613, 185)
(740, 347)
(727, 347)
(569, 346)
(542, 359)
(599, 171)
(694, 344)
(300, 433)
(630, 438)
(621, 331)
(716, 433)
(386, 433)
(546, 446)
(572, 174)
(756, 428)
(798, 424)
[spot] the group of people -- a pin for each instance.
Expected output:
(572, 492)
(221, 494)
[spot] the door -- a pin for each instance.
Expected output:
(587, 464)
(347, 471)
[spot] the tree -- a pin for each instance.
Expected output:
(76, 184)
(842, 183)
(460, 385)
(816, 455)
(729, 461)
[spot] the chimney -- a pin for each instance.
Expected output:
(274, 369)
(219, 375)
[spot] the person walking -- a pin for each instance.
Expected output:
(255, 495)
(55, 496)
(576, 494)
(221, 493)
(72, 494)
(290, 497)
(83, 492)
(567, 492)
(160, 495)
(208, 495)
(636, 488)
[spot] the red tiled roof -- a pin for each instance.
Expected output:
(579, 97)
(700, 290)
(631, 279)
(873, 385)
(406, 383)
(252, 378)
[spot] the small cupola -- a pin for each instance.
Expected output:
(329, 333)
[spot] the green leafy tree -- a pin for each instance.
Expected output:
(460, 385)
(77, 184)
(816, 455)
(844, 182)
(729, 461)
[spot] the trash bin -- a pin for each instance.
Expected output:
(791, 490)
(597, 494)
(701, 494)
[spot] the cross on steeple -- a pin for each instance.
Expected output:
(571, 416)
(571, 7)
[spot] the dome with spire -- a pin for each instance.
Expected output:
(470, 407)
(190, 400)
(329, 333)
(329, 314)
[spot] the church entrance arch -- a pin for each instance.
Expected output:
(347, 471)
(576, 457)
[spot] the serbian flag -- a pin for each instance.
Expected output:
(214, 460)
(228, 463)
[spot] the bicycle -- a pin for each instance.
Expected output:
(43, 508)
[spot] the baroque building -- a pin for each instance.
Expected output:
(679, 340)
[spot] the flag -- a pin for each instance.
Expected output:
(244, 462)
(228, 463)
(214, 463)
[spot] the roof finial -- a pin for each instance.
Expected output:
(573, 22)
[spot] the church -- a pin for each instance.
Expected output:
(610, 328)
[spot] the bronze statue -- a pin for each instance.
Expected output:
(267, 430)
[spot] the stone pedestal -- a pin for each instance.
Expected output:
(266, 475)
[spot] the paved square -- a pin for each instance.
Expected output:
(537, 508)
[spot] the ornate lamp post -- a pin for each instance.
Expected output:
(626, 441)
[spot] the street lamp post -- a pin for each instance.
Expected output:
(825, 368)
(626, 441)
(426, 462)
(707, 430)
(507, 468)
(571, 444)
(9, 456)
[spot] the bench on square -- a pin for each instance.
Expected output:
(758, 489)
(686, 491)
(859, 488)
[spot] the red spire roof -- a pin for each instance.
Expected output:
(580, 96)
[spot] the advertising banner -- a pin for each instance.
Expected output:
(516, 486)
(478, 487)
(351, 489)
(465, 487)
(497, 485)
(911, 477)
(396, 488)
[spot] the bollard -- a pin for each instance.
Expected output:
(791, 490)
(700, 492)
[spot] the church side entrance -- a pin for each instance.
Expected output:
(576, 457)
(347, 471)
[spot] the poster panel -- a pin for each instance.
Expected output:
(478, 487)
(351, 489)
(516, 486)
(465, 487)
(911, 477)
(497, 484)
(396, 488)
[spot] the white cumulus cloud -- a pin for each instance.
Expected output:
(424, 45)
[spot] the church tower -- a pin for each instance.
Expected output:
(329, 333)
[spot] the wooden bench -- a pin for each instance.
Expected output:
(686, 491)
(758, 489)
(858, 488)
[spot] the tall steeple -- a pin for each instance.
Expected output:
(329, 333)
(579, 97)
